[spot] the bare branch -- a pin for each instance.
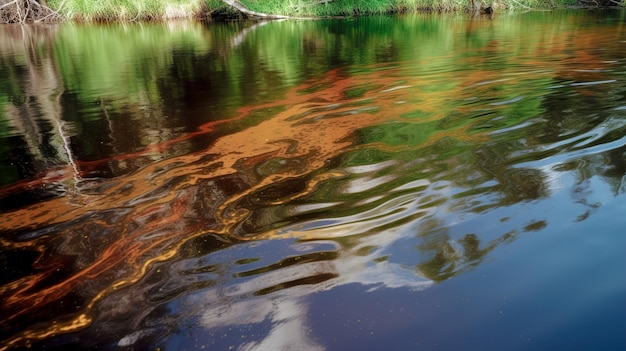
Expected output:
(243, 9)
(20, 11)
(8, 3)
(52, 13)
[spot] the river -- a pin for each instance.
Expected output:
(410, 182)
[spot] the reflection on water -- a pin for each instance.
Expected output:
(180, 185)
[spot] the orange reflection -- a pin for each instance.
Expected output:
(314, 126)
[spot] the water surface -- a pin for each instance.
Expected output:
(413, 182)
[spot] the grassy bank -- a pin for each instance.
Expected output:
(359, 7)
(129, 10)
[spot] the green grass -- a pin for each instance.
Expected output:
(128, 10)
(316, 8)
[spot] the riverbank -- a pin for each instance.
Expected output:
(140, 10)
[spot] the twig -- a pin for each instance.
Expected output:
(8, 3)
(138, 14)
(52, 12)
(19, 13)
(24, 10)
(27, 11)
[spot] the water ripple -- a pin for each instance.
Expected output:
(395, 174)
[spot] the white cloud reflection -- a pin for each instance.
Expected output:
(285, 307)
(261, 302)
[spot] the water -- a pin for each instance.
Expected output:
(415, 182)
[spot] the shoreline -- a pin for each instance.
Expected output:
(231, 10)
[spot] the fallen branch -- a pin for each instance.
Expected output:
(243, 9)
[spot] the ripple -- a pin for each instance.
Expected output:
(564, 157)
(507, 102)
(593, 83)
